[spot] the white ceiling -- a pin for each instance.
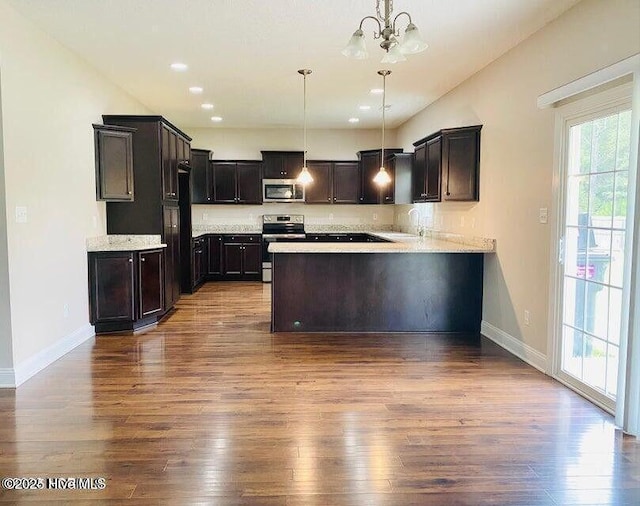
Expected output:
(246, 53)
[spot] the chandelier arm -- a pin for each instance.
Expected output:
(375, 35)
(397, 32)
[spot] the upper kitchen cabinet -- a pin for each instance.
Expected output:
(370, 192)
(282, 164)
(333, 183)
(236, 182)
(114, 163)
(201, 177)
(446, 166)
(175, 151)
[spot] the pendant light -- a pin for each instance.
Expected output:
(382, 177)
(305, 176)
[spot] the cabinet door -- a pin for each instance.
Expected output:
(273, 166)
(114, 165)
(433, 169)
(387, 192)
(214, 250)
(232, 258)
(224, 182)
(346, 183)
(419, 174)
(168, 164)
(319, 192)
(292, 165)
(111, 282)
(150, 286)
(200, 178)
(171, 216)
(249, 183)
(460, 165)
(369, 167)
(252, 259)
(173, 149)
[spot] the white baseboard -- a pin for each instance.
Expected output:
(12, 378)
(7, 377)
(521, 350)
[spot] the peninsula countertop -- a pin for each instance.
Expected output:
(400, 243)
(123, 243)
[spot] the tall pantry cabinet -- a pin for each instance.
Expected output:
(159, 148)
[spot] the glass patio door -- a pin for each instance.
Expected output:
(593, 251)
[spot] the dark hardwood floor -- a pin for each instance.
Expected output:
(210, 408)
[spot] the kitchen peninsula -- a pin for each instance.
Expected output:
(410, 284)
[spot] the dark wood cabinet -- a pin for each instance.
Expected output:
(171, 236)
(242, 257)
(157, 145)
(236, 182)
(198, 262)
(370, 192)
(333, 183)
(150, 289)
(125, 289)
(446, 166)
(282, 164)
(114, 163)
(214, 256)
(201, 178)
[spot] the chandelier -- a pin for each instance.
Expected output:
(387, 31)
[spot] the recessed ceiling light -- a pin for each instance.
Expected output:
(354, 120)
(376, 91)
(208, 107)
(216, 118)
(196, 90)
(179, 67)
(365, 107)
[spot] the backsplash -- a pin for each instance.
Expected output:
(326, 217)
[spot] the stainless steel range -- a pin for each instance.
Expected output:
(279, 227)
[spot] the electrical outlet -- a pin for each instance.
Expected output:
(375, 216)
(65, 310)
(331, 216)
(527, 317)
(205, 216)
(462, 221)
(21, 214)
(95, 221)
(473, 223)
(543, 215)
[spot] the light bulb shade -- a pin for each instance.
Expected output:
(393, 55)
(412, 42)
(382, 177)
(356, 48)
(305, 176)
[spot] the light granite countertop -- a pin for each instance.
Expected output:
(123, 243)
(402, 243)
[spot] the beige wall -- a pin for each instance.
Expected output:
(6, 356)
(517, 153)
(50, 98)
(246, 143)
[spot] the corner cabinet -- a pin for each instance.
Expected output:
(370, 192)
(125, 289)
(446, 166)
(114, 163)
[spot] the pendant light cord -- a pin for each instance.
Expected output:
(384, 106)
(304, 122)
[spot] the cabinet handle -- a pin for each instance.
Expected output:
(143, 259)
(448, 194)
(208, 198)
(129, 192)
(131, 260)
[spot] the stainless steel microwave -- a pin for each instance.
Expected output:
(282, 190)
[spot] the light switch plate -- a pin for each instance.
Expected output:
(544, 215)
(21, 214)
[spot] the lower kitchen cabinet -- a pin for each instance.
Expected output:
(199, 262)
(214, 256)
(125, 289)
(242, 257)
(171, 236)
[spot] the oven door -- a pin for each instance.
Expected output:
(282, 190)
